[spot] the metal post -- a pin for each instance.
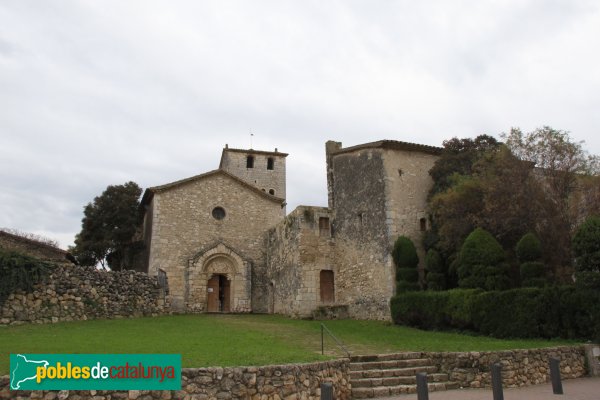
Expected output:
(422, 390)
(555, 376)
(322, 346)
(497, 382)
(326, 391)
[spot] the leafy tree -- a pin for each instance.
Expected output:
(586, 248)
(481, 263)
(406, 261)
(108, 227)
(458, 158)
(560, 162)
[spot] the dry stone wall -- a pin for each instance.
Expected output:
(519, 367)
(79, 293)
(276, 382)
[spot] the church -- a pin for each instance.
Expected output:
(224, 243)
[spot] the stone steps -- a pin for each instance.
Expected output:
(393, 374)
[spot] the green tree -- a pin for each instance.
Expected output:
(586, 248)
(559, 163)
(457, 158)
(108, 228)
(406, 260)
(481, 262)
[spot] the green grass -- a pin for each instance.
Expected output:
(228, 340)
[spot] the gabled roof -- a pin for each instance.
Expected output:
(149, 193)
(393, 145)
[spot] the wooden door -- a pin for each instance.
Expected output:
(327, 287)
(213, 294)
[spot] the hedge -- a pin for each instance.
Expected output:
(548, 312)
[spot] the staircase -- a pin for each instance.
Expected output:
(393, 374)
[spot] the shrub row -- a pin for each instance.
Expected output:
(20, 271)
(547, 312)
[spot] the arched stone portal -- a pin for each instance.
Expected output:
(218, 281)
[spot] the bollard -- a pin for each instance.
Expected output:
(497, 382)
(422, 389)
(326, 391)
(555, 376)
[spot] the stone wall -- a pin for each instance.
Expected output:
(407, 186)
(365, 277)
(298, 249)
(79, 293)
(276, 382)
(33, 248)
(519, 367)
(184, 231)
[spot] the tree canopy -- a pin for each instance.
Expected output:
(108, 228)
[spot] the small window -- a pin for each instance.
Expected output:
(360, 218)
(324, 227)
(218, 213)
(270, 163)
(250, 162)
(423, 224)
(400, 172)
(272, 192)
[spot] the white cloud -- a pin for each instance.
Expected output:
(99, 93)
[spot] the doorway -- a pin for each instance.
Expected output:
(327, 287)
(218, 294)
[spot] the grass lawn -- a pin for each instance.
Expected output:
(228, 340)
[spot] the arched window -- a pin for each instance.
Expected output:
(423, 224)
(272, 192)
(250, 162)
(270, 163)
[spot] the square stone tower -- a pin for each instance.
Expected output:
(262, 169)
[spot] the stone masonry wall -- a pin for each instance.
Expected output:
(519, 367)
(183, 226)
(407, 186)
(365, 275)
(275, 382)
(298, 250)
(79, 293)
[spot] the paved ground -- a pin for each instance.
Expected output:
(574, 389)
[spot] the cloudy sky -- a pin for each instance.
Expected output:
(94, 93)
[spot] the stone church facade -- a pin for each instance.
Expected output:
(225, 243)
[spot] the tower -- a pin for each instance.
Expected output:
(262, 169)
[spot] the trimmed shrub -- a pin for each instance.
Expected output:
(529, 248)
(406, 260)
(532, 274)
(529, 252)
(405, 253)
(436, 279)
(480, 263)
(548, 312)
